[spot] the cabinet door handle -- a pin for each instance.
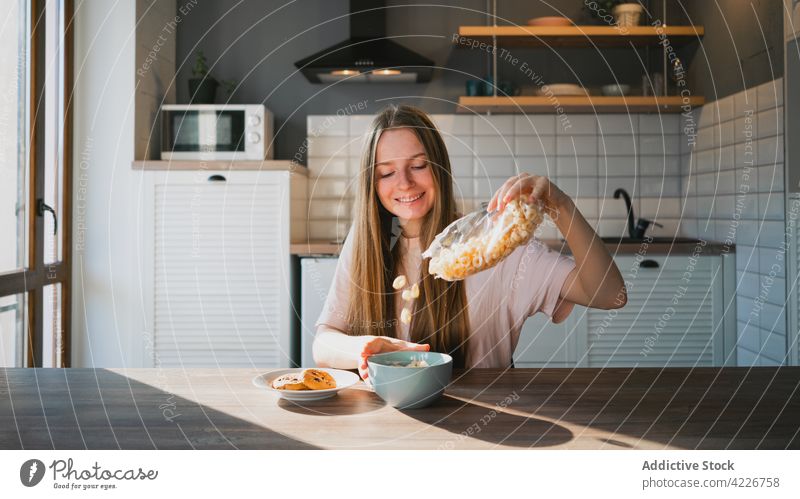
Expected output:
(216, 178)
(649, 264)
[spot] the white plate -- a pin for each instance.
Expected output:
(344, 379)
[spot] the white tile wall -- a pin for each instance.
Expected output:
(590, 159)
(733, 187)
(534, 124)
(541, 145)
(497, 125)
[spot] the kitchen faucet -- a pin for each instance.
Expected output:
(642, 224)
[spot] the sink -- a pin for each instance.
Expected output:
(655, 240)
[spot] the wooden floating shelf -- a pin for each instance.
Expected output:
(267, 164)
(580, 36)
(576, 103)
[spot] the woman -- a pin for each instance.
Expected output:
(405, 197)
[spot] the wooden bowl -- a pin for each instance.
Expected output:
(564, 89)
(550, 21)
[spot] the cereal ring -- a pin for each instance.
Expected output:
(399, 282)
(405, 316)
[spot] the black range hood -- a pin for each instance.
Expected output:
(367, 56)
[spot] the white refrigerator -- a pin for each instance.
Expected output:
(316, 277)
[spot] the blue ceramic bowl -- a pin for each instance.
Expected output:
(409, 387)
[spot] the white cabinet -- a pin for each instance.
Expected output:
(677, 315)
(544, 344)
(215, 260)
(673, 316)
(316, 279)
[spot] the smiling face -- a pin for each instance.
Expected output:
(404, 179)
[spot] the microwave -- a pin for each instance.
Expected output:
(216, 132)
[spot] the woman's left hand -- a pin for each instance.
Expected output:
(530, 187)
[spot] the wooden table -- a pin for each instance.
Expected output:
(708, 408)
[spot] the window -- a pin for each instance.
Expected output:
(35, 133)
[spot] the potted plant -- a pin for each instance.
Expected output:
(628, 14)
(203, 87)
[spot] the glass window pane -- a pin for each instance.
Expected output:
(54, 131)
(52, 328)
(13, 135)
(12, 330)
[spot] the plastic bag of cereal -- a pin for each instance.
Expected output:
(480, 240)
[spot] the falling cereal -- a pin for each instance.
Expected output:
(405, 316)
(399, 282)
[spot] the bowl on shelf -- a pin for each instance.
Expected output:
(616, 90)
(550, 21)
(406, 387)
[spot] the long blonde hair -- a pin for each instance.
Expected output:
(440, 316)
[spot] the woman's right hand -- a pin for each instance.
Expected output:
(383, 344)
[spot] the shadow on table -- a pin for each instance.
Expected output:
(467, 420)
(354, 400)
(689, 408)
(698, 408)
(100, 409)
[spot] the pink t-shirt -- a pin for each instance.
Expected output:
(499, 299)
